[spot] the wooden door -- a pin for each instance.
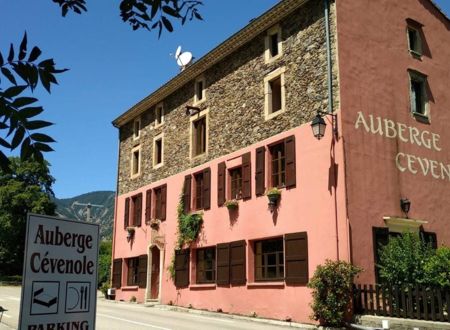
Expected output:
(154, 289)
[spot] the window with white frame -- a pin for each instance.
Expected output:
(418, 93)
(135, 161)
(159, 115)
(199, 133)
(158, 151)
(200, 92)
(415, 37)
(274, 90)
(273, 44)
(136, 128)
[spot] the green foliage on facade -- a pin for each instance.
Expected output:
(332, 291)
(407, 260)
(104, 263)
(189, 225)
(24, 187)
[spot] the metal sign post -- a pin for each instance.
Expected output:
(59, 285)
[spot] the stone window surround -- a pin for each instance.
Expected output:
(137, 133)
(203, 99)
(161, 106)
(413, 25)
(267, 93)
(276, 29)
(138, 173)
(418, 76)
(202, 114)
(156, 138)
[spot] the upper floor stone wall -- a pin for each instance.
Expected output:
(235, 99)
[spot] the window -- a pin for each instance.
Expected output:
(117, 273)
(278, 165)
(236, 183)
(414, 35)
(199, 133)
(274, 94)
(273, 44)
(200, 93)
(133, 211)
(418, 94)
(158, 151)
(133, 271)
(231, 263)
(159, 115)
(160, 194)
(136, 128)
(198, 192)
(135, 161)
(206, 265)
(269, 260)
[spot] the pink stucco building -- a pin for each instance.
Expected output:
(237, 122)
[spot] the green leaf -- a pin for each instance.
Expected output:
(36, 124)
(18, 137)
(23, 48)
(42, 147)
(25, 150)
(4, 162)
(9, 75)
(48, 64)
(11, 53)
(22, 101)
(39, 137)
(3, 125)
(31, 111)
(198, 16)
(1, 59)
(167, 24)
(14, 91)
(155, 6)
(43, 75)
(35, 53)
(170, 11)
(4, 143)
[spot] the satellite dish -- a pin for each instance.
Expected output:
(178, 52)
(184, 59)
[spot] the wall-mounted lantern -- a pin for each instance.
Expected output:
(405, 205)
(318, 126)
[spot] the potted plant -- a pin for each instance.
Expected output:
(130, 231)
(232, 204)
(154, 223)
(273, 194)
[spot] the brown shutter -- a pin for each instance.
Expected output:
(206, 188)
(223, 264)
(187, 193)
(117, 273)
(260, 171)
(138, 210)
(148, 206)
(126, 220)
(289, 147)
(246, 176)
(296, 258)
(142, 271)
(237, 263)
(221, 174)
(380, 238)
(163, 205)
(182, 268)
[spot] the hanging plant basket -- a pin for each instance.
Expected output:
(232, 204)
(154, 223)
(273, 195)
(130, 233)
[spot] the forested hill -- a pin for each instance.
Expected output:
(101, 210)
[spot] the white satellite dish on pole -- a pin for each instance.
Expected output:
(183, 59)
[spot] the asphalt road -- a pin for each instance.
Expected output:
(127, 316)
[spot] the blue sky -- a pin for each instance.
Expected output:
(111, 69)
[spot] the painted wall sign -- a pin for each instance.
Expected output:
(60, 274)
(408, 134)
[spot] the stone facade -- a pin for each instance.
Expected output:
(235, 99)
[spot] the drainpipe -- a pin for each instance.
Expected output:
(329, 72)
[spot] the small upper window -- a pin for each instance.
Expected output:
(135, 161)
(158, 151)
(199, 131)
(414, 34)
(274, 94)
(418, 94)
(159, 114)
(200, 93)
(136, 128)
(273, 44)
(236, 183)
(278, 165)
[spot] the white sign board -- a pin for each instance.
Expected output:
(59, 285)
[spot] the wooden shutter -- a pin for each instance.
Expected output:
(237, 263)
(126, 220)
(380, 238)
(429, 238)
(182, 268)
(206, 188)
(163, 205)
(142, 271)
(289, 147)
(138, 210)
(117, 273)
(187, 194)
(296, 258)
(223, 264)
(260, 171)
(246, 176)
(148, 206)
(221, 174)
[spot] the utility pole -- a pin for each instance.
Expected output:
(88, 208)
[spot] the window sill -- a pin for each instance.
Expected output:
(130, 288)
(202, 286)
(272, 115)
(266, 284)
(156, 166)
(415, 54)
(421, 117)
(155, 126)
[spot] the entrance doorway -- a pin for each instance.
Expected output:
(155, 270)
